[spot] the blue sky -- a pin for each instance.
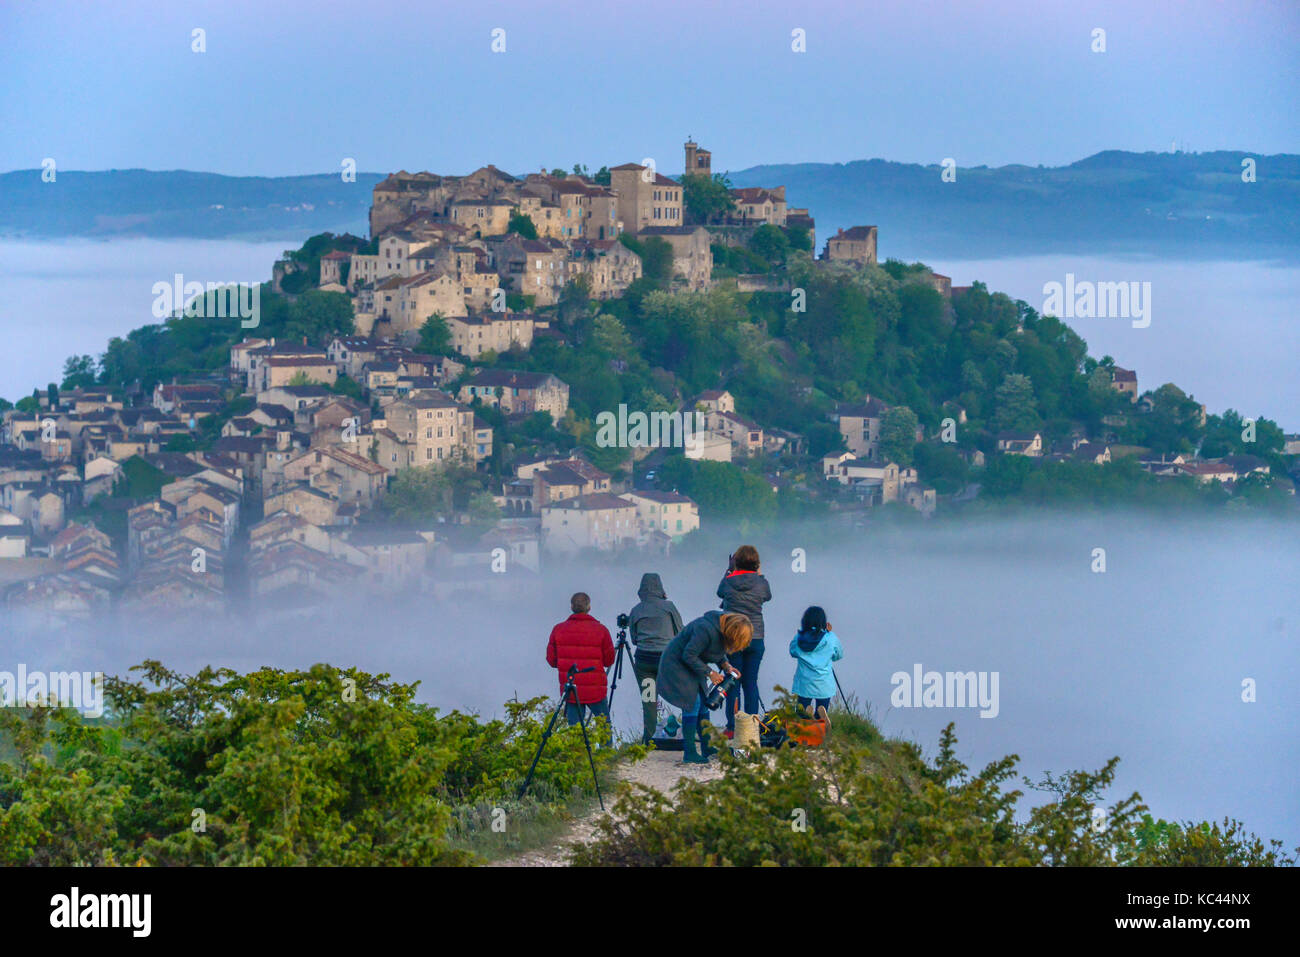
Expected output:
(295, 87)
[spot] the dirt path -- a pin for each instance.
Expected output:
(661, 770)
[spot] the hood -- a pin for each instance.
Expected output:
(808, 640)
(651, 587)
(743, 581)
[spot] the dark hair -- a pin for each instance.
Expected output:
(746, 558)
(580, 603)
(814, 621)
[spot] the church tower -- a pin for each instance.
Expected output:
(698, 162)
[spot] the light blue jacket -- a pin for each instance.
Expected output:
(813, 674)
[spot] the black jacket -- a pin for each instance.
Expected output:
(684, 668)
(655, 620)
(743, 593)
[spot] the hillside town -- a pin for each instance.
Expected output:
(104, 504)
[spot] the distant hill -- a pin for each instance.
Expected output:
(1185, 205)
(1189, 205)
(174, 204)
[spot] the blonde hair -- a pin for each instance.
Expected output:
(737, 632)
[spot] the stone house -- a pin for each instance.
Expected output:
(601, 521)
(859, 423)
(518, 392)
(472, 336)
(645, 198)
(669, 513)
(856, 245)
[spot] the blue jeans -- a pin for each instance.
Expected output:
(821, 702)
(746, 663)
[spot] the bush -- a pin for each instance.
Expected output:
(319, 767)
(865, 800)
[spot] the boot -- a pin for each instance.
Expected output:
(690, 750)
(821, 713)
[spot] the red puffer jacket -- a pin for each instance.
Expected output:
(583, 641)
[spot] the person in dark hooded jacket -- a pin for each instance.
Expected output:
(652, 624)
(743, 591)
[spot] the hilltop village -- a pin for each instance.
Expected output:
(404, 450)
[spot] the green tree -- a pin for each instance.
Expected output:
(522, 224)
(706, 199)
(419, 495)
(320, 316)
(435, 336)
(771, 243)
(1014, 403)
(898, 435)
(78, 372)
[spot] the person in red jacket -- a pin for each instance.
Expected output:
(583, 641)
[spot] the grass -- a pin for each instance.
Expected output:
(538, 820)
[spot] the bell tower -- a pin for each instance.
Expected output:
(698, 162)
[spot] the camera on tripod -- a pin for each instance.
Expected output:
(623, 621)
(721, 692)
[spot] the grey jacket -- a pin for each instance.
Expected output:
(684, 668)
(743, 593)
(655, 620)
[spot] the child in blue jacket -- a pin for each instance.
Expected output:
(815, 650)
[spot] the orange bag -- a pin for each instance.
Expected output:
(809, 733)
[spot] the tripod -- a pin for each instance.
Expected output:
(568, 695)
(840, 688)
(621, 647)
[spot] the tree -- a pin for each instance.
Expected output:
(522, 224)
(1014, 403)
(483, 511)
(770, 243)
(706, 199)
(656, 259)
(602, 177)
(418, 495)
(435, 336)
(79, 372)
(898, 435)
(320, 316)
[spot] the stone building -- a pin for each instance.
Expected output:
(854, 245)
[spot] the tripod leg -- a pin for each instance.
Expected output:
(615, 673)
(546, 735)
(582, 720)
(841, 690)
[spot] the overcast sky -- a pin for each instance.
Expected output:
(296, 87)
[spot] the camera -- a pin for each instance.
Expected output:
(721, 691)
(623, 620)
